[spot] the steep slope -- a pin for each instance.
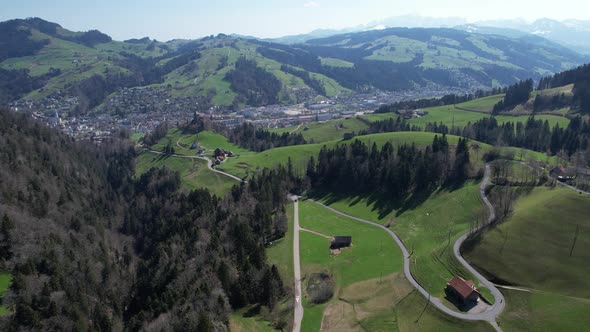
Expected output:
(90, 248)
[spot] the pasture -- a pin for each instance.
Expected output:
(532, 248)
(372, 294)
(194, 173)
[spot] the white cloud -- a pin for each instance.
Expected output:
(311, 4)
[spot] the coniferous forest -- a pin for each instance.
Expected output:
(96, 249)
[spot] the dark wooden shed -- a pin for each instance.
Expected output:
(338, 242)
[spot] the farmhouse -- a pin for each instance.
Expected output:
(463, 291)
(338, 242)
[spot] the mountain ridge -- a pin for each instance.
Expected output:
(91, 66)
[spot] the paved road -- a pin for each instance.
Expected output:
(488, 315)
(570, 186)
(298, 315)
(559, 182)
(209, 163)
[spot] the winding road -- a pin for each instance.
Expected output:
(489, 315)
(209, 162)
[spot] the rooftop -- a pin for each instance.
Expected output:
(462, 286)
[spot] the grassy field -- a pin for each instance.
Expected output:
(485, 104)
(372, 255)
(373, 252)
(333, 62)
(181, 142)
(428, 229)
(526, 311)
(194, 173)
(211, 141)
(318, 132)
(241, 321)
(5, 281)
(532, 248)
(449, 115)
(372, 293)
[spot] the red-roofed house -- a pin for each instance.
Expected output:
(462, 290)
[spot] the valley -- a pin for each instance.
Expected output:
(431, 176)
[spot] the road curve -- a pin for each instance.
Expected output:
(298, 312)
(209, 163)
(488, 315)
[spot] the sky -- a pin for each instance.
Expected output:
(170, 19)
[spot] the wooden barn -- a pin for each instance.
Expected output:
(463, 291)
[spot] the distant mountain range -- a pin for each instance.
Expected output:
(40, 59)
(574, 34)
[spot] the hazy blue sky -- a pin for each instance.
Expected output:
(168, 19)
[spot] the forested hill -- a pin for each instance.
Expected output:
(41, 59)
(396, 58)
(91, 248)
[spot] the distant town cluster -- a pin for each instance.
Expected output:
(141, 110)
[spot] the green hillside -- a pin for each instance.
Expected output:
(248, 163)
(317, 132)
(547, 216)
(58, 59)
(536, 251)
(453, 116)
(68, 62)
(370, 290)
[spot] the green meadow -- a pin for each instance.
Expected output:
(532, 248)
(371, 292)
(537, 249)
(5, 282)
(318, 132)
(451, 116)
(194, 173)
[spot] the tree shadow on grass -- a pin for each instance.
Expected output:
(382, 203)
(253, 311)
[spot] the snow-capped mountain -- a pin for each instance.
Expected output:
(574, 34)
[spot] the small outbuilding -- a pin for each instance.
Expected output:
(339, 242)
(462, 291)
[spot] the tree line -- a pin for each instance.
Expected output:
(579, 77)
(515, 94)
(435, 102)
(258, 139)
(392, 172)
